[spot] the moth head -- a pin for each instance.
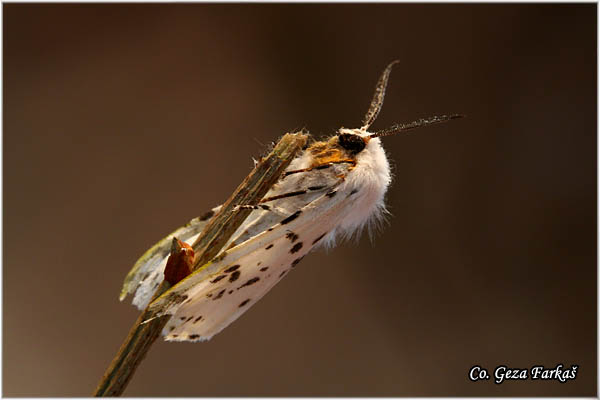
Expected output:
(352, 141)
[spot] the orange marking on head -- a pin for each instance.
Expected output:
(330, 152)
(317, 147)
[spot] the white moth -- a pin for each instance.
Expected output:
(331, 190)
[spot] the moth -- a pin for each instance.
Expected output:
(330, 191)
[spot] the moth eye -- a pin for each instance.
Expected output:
(353, 143)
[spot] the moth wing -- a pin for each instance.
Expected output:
(147, 272)
(213, 297)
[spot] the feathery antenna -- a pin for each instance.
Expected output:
(377, 101)
(397, 128)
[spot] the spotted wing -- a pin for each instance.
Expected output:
(293, 192)
(217, 294)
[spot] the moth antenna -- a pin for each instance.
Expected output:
(397, 128)
(377, 101)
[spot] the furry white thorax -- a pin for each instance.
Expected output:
(371, 177)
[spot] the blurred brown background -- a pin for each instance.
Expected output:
(122, 122)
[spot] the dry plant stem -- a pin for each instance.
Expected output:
(132, 351)
(210, 242)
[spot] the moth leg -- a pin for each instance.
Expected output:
(320, 166)
(277, 210)
(262, 207)
(274, 215)
(294, 193)
(271, 219)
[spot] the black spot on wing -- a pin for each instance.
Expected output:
(194, 336)
(243, 303)
(198, 319)
(218, 296)
(291, 217)
(296, 248)
(283, 273)
(319, 238)
(296, 261)
(269, 246)
(231, 269)
(354, 191)
(218, 278)
(316, 187)
(331, 194)
(263, 269)
(234, 276)
(250, 282)
(292, 236)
